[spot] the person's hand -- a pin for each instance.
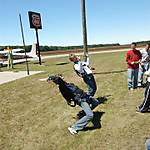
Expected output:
(78, 58)
(44, 79)
(136, 62)
(92, 68)
(86, 55)
(147, 74)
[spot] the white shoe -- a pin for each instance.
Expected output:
(72, 131)
(131, 89)
(139, 84)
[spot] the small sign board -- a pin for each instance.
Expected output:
(35, 20)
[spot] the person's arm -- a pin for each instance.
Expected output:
(86, 60)
(147, 73)
(78, 67)
(87, 63)
(140, 58)
(128, 60)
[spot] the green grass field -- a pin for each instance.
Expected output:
(34, 115)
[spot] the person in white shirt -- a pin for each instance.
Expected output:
(146, 103)
(144, 65)
(83, 70)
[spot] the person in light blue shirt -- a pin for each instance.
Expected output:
(144, 65)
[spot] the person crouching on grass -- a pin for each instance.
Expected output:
(74, 95)
(133, 58)
(146, 103)
(84, 71)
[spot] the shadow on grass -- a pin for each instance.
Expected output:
(148, 111)
(64, 63)
(42, 62)
(96, 121)
(97, 115)
(109, 72)
(103, 99)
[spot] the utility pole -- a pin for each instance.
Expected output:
(85, 49)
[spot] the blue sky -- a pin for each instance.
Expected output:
(108, 21)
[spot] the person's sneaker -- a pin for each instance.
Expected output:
(138, 109)
(131, 89)
(72, 131)
(139, 85)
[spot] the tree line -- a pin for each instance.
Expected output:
(54, 48)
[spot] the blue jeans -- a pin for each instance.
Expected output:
(147, 144)
(80, 124)
(90, 81)
(142, 69)
(132, 78)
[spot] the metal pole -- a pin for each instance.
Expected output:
(38, 47)
(24, 43)
(85, 49)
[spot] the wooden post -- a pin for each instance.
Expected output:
(85, 49)
(38, 47)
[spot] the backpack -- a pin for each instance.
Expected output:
(74, 89)
(71, 92)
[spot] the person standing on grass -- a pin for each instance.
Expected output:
(144, 65)
(133, 58)
(146, 103)
(83, 70)
(74, 95)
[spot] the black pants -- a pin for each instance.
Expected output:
(146, 103)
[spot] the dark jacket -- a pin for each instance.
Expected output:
(71, 92)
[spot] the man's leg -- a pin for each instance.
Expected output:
(140, 76)
(90, 81)
(94, 102)
(146, 67)
(130, 76)
(146, 103)
(80, 124)
(136, 77)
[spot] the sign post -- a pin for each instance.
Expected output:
(22, 33)
(35, 22)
